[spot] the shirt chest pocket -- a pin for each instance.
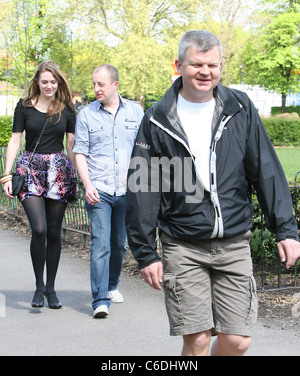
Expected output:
(131, 129)
(97, 133)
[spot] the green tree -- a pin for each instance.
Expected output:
(281, 6)
(133, 33)
(144, 70)
(23, 36)
(272, 59)
(121, 18)
(231, 21)
(87, 54)
(57, 45)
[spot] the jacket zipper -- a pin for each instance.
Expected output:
(218, 227)
(179, 140)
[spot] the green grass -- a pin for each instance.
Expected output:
(290, 160)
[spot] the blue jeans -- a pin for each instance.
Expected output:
(108, 247)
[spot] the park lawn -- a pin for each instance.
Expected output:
(290, 160)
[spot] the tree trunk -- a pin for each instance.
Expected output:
(283, 102)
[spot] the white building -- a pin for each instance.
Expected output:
(262, 99)
(8, 104)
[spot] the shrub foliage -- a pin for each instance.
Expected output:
(283, 132)
(5, 129)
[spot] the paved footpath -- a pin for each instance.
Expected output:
(137, 327)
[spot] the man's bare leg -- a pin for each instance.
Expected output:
(230, 345)
(196, 344)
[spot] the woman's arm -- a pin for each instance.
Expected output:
(69, 146)
(11, 153)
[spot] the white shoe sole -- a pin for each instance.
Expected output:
(100, 312)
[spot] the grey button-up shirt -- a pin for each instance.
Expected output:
(107, 142)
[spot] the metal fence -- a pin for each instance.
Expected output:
(76, 219)
(264, 272)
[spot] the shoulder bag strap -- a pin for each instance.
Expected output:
(37, 143)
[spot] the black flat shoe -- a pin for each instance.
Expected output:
(38, 299)
(53, 301)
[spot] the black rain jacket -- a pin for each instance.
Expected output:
(162, 176)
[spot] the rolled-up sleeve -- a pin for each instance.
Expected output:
(81, 145)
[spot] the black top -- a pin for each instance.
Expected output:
(30, 120)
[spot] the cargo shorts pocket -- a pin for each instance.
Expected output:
(252, 314)
(172, 300)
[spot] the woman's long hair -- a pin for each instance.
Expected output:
(63, 96)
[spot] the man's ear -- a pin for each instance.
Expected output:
(178, 66)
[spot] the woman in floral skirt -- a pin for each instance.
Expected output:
(50, 182)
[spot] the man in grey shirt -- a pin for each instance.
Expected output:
(105, 133)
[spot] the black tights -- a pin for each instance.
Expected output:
(45, 217)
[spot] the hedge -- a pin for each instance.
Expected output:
(5, 129)
(277, 110)
(283, 132)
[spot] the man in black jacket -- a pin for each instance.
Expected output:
(197, 155)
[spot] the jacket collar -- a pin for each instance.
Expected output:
(231, 105)
(165, 112)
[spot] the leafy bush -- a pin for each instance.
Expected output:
(290, 109)
(283, 132)
(263, 243)
(261, 236)
(5, 129)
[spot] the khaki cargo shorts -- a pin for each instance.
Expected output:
(209, 285)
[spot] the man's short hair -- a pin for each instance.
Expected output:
(113, 71)
(202, 40)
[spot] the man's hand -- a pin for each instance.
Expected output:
(153, 275)
(91, 195)
(289, 251)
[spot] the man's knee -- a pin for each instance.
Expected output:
(230, 344)
(196, 344)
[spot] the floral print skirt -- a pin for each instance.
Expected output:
(50, 175)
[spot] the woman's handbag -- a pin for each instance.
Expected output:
(19, 180)
(17, 183)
